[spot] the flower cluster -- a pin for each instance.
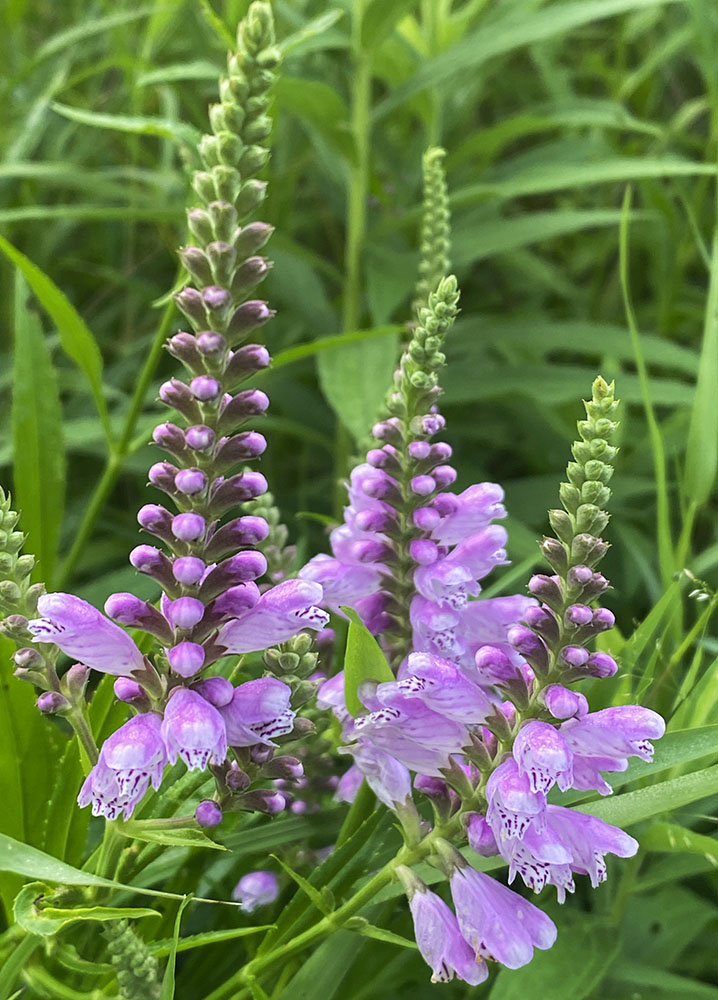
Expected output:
(211, 604)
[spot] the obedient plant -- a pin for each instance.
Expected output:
(479, 723)
(209, 560)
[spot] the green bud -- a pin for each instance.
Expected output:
(227, 184)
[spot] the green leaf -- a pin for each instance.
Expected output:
(176, 131)
(677, 839)
(199, 69)
(557, 973)
(660, 982)
(665, 796)
(45, 920)
(302, 39)
(38, 446)
(505, 34)
(323, 973)
(379, 19)
(11, 969)
(363, 661)
(320, 107)
(162, 948)
(75, 338)
(301, 351)
(316, 896)
(362, 926)
(153, 831)
(702, 447)
(168, 980)
(355, 378)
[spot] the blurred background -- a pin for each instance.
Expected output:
(581, 140)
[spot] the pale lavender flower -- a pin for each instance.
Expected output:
(193, 730)
(542, 753)
(85, 634)
(500, 925)
(387, 777)
(256, 889)
(131, 759)
(278, 615)
(441, 943)
(513, 805)
(258, 711)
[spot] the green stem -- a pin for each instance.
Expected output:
(358, 191)
(88, 747)
(116, 459)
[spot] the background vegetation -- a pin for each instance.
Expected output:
(582, 138)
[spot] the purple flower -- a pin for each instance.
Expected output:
(440, 941)
(623, 731)
(348, 785)
(513, 805)
(278, 615)
(474, 509)
(193, 730)
(256, 889)
(84, 633)
(453, 579)
(498, 924)
(342, 582)
(444, 688)
(132, 758)
(388, 779)
(258, 711)
(542, 754)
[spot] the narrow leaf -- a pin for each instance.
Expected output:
(168, 980)
(315, 895)
(363, 661)
(48, 920)
(702, 448)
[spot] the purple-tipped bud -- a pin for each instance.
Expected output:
(247, 530)
(419, 450)
(190, 302)
(235, 601)
(265, 801)
(563, 703)
(28, 659)
(186, 658)
(423, 551)
(547, 589)
(578, 614)
(52, 702)
(190, 481)
(529, 645)
(252, 237)
(423, 486)
(375, 519)
(245, 361)
(185, 612)
(249, 317)
(579, 576)
(131, 692)
(216, 299)
(481, 836)
(149, 560)
(426, 518)
(216, 690)
(367, 550)
(188, 527)
(240, 448)
(441, 451)
(444, 475)
(199, 437)
(155, 519)
(286, 768)
(205, 388)
(162, 475)
(136, 613)
(243, 567)
(388, 430)
(211, 345)
(601, 665)
(573, 656)
(603, 619)
(237, 489)
(445, 504)
(432, 423)
(208, 813)
(236, 779)
(188, 570)
(493, 665)
(543, 621)
(169, 437)
(74, 682)
(249, 403)
(381, 458)
(183, 346)
(178, 395)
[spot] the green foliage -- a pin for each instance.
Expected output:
(546, 112)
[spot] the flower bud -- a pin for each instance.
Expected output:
(178, 395)
(188, 570)
(423, 551)
(130, 691)
(239, 448)
(288, 768)
(205, 388)
(188, 527)
(183, 346)
(249, 275)
(247, 318)
(186, 658)
(249, 403)
(426, 518)
(237, 489)
(157, 520)
(149, 560)
(423, 486)
(530, 646)
(169, 437)
(208, 813)
(444, 475)
(199, 437)
(546, 589)
(263, 800)
(573, 656)
(251, 238)
(216, 690)
(217, 302)
(388, 430)
(211, 346)
(246, 530)
(578, 614)
(136, 613)
(162, 476)
(601, 665)
(563, 703)
(196, 264)
(28, 659)
(543, 621)
(52, 703)
(191, 481)
(189, 301)
(419, 450)
(245, 362)
(480, 835)
(185, 612)
(243, 567)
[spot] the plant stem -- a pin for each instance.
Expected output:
(88, 747)
(116, 458)
(358, 190)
